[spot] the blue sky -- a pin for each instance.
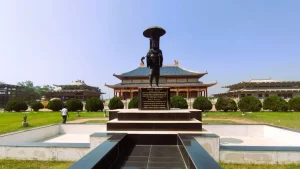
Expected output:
(57, 42)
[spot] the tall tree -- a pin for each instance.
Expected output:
(30, 93)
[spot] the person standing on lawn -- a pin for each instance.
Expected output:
(64, 114)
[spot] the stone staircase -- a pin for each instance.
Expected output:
(155, 120)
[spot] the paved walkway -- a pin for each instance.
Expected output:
(85, 120)
(243, 121)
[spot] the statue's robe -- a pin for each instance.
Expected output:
(154, 60)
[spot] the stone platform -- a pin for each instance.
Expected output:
(154, 120)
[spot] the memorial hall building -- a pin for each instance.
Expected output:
(8, 92)
(262, 88)
(78, 90)
(181, 81)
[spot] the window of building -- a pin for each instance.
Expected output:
(135, 94)
(183, 94)
(266, 95)
(259, 95)
(172, 94)
(249, 94)
(126, 95)
(193, 94)
(242, 95)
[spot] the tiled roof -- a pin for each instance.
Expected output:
(164, 71)
(161, 84)
(262, 81)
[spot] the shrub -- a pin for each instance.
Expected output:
(223, 104)
(134, 102)
(232, 105)
(202, 103)
(275, 103)
(74, 105)
(249, 104)
(55, 105)
(16, 105)
(36, 106)
(178, 102)
(294, 104)
(115, 103)
(94, 104)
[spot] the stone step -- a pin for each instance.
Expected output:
(135, 114)
(154, 116)
(138, 125)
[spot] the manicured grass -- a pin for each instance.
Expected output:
(10, 122)
(259, 166)
(96, 122)
(284, 119)
(22, 164)
(218, 122)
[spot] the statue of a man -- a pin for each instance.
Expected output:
(154, 61)
(25, 118)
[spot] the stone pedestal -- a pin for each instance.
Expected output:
(24, 124)
(154, 98)
(154, 114)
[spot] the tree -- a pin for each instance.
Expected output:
(275, 103)
(115, 103)
(29, 92)
(55, 105)
(249, 104)
(222, 104)
(232, 105)
(178, 102)
(202, 103)
(45, 90)
(32, 93)
(134, 102)
(294, 103)
(74, 105)
(16, 105)
(94, 104)
(36, 106)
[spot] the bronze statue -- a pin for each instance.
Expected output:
(154, 56)
(25, 118)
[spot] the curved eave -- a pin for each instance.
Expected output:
(163, 85)
(11, 85)
(276, 82)
(146, 76)
(75, 85)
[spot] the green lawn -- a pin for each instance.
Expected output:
(22, 164)
(10, 122)
(284, 119)
(259, 166)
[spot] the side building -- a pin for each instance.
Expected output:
(262, 88)
(8, 92)
(78, 90)
(181, 81)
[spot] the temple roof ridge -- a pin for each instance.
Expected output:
(166, 70)
(264, 80)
